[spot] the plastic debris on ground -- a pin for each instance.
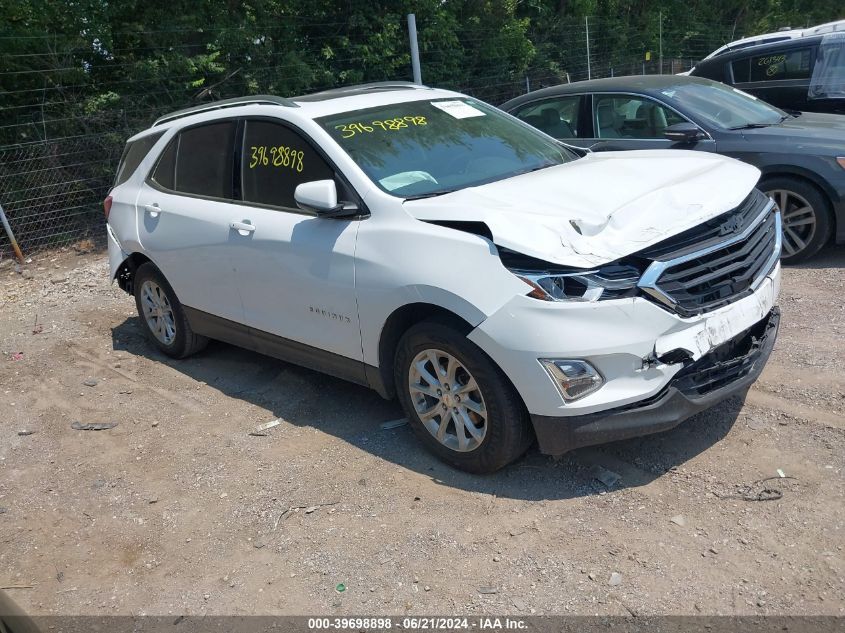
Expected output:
(259, 431)
(605, 476)
(393, 424)
(93, 426)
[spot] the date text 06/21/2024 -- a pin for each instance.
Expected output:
(416, 623)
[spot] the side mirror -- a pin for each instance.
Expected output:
(683, 133)
(320, 197)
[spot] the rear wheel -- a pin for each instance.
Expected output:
(460, 404)
(805, 214)
(162, 316)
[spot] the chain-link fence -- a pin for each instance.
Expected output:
(69, 105)
(52, 191)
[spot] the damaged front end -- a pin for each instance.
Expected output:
(655, 336)
(697, 271)
(727, 370)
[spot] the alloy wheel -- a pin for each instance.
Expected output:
(158, 312)
(447, 400)
(798, 217)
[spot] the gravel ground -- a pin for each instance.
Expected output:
(178, 510)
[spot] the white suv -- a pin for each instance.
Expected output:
(427, 245)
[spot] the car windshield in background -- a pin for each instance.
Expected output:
(426, 148)
(723, 106)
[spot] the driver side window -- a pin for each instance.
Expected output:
(275, 160)
(630, 116)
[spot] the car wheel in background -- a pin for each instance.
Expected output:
(459, 403)
(162, 317)
(805, 214)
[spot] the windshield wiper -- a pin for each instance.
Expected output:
(533, 169)
(430, 194)
(752, 126)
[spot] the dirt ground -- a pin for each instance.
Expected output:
(178, 510)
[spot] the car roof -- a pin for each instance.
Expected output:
(778, 38)
(318, 104)
(645, 84)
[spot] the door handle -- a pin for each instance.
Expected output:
(243, 228)
(153, 209)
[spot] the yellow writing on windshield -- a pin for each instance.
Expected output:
(351, 129)
(276, 156)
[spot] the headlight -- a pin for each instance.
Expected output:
(613, 281)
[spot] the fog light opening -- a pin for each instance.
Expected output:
(574, 378)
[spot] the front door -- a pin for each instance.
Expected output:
(295, 270)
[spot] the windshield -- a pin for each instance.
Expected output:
(426, 148)
(723, 106)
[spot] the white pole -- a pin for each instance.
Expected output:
(10, 235)
(415, 51)
(587, 25)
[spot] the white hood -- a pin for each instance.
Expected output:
(601, 207)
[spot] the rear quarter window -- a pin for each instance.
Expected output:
(133, 154)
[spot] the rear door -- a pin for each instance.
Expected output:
(185, 209)
(780, 76)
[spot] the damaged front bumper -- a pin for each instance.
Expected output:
(726, 370)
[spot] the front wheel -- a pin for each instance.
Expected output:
(460, 404)
(805, 214)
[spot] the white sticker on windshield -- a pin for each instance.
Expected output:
(457, 109)
(405, 178)
(744, 94)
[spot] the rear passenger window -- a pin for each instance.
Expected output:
(556, 117)
(275, 160)
(133, 154)
(793, 64)
(204, 160)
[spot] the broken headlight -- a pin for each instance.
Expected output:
(612, 281)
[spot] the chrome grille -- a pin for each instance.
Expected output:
(702, 280)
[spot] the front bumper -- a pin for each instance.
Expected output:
(620, 338)
(726, 370)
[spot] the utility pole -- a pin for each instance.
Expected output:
(587, 25)
(415, 51)
(660, 55)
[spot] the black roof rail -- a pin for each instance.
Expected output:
(357, 89)
(227, 103)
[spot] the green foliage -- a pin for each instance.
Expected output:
(97, 66)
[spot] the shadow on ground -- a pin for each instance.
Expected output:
(831, 256)
(354, 414)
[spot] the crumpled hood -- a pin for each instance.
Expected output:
(601, 207)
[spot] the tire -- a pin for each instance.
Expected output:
(152, 292)
(804, 232)
(494, 410)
